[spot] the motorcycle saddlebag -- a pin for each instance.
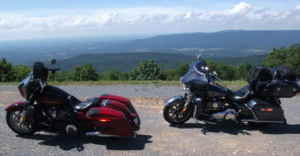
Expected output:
(110, 121)
(259, 78)
(266, 111)
(261, 73)
(282, 89)
(287, 73)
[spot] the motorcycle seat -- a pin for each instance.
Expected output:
(83, 105)
(240, 96)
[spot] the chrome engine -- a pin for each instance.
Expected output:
(228, 115)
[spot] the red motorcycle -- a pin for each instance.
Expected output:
(50, 109)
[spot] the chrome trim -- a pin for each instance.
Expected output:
(248, 120)
(194, 115)
(237, 114)
(188, 101)
(107, 135)
(52, 133)
(252, 112)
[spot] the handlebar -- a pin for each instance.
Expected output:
(214, 77)
(53, 70)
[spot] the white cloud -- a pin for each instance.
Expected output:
(297, 8)
(241, 9)
(261, 10)
(147, 19)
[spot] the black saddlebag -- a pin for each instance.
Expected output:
(287, 73)
(259, 78)
(261, 73)
(281, 89)
(266, 111)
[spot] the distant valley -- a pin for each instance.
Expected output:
(125, 62)
(79, 50)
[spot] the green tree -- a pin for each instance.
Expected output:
(149, 70)
(89, 73)
(225, 71)
(77, 73)
(170, 73)
(243, 70)
(212, 66)
(134, 74)
(287, 56)
(7, 71)
(113, 74)
(21, 71)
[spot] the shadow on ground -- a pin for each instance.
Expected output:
(236, 129)
(68, 142)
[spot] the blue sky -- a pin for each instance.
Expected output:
(22, 19)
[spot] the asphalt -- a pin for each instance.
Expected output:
(156, 136)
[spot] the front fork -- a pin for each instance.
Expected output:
(24, 113)
(190, 96)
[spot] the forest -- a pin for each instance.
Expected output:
(151, 70)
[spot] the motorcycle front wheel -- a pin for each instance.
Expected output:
(172, 114)
(13, 122)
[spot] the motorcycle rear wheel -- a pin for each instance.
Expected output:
(13, 122)
(171, 115)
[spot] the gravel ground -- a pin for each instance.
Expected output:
(156, 136)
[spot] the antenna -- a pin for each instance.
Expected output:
(199, 57)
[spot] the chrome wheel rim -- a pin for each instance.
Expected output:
(174, 113)
(15, 122)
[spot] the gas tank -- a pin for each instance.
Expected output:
(53, 96)
(216, 90)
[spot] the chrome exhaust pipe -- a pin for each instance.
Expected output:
(262, 121)
(107, 135)
(52, 133)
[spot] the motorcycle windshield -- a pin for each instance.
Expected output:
(24, 86)
(196, 72)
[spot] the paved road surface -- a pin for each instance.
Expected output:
(156, 136)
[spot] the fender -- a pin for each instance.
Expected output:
(175, 100)
(13, 105)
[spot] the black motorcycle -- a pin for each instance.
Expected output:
(257, 103)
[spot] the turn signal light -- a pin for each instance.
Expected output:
(104, 120)
(267, 109)
(298, 92)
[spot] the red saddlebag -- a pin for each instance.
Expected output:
(110, 121)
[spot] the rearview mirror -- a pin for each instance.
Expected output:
(215, 73)
(53, 61)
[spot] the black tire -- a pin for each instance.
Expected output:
(258, 124)
(171, 115)
(12, 120)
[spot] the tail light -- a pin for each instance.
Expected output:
(104, 120)
(133, 115)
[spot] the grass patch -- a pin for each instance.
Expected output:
(234, 85)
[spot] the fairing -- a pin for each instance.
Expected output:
(196, 80)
